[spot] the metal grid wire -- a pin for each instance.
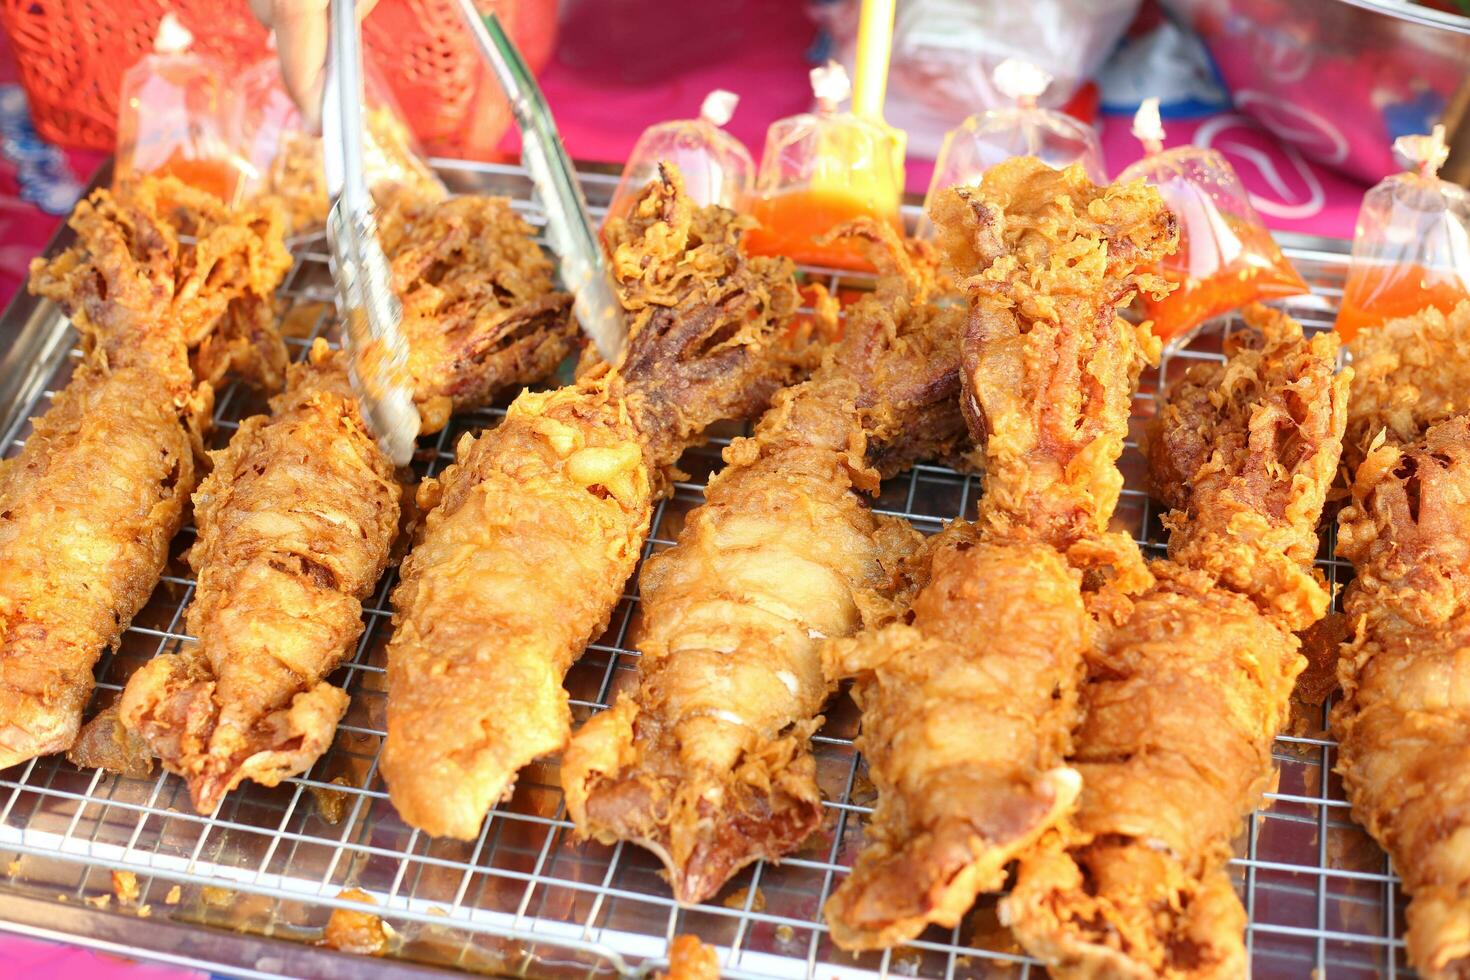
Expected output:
(525, 898)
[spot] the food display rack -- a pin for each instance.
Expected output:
(248, 890)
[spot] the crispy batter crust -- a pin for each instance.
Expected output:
(690, 959)
(88, 507)
(86, 514)
(708, 763)
(967, 708)
(129, 265)
(1046, 259)
(1180, 709)
(1217, 451)
(1190, 684)
(1408, 374)
(713, 322)
(965, 729)
(1404, 718)
(531, 535)
(480, 310)
(536, 527)
(295, 525)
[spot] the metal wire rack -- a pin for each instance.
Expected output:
(248, 889)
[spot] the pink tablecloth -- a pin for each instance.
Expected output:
(25, 959)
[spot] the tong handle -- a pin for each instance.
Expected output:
(568, 226)
(342, 113)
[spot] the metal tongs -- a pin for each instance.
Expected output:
(569, 232)
(371, 314)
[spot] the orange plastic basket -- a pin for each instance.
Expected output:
(72, 55)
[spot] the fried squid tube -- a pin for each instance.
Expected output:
(967, 706)
(533, 531)
(89, 506)
(1185, 695)
(295, 525)
(480, 309)
(1403, 723)
(709, 763)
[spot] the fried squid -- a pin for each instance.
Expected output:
(1403, 722)
(88, 507)
(968, 702)
(531, 534)
(709, 763)
(480, 310)
(1188, 687)
(295, 521)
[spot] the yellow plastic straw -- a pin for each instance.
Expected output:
(874, 43)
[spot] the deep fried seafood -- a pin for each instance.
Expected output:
(295, 525)
(1215, 455)
(1046, 258)
(690, 959)
(966, 713)
(1186, 694)
(967, 709)
(88, 507)
(709, 763)
(480, 310)
(233, 262)
(106, 743)
(1404, 719)
(245, 344)
(535, 528)
(1408, 374)
(1181, 706)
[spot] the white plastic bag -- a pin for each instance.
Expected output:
(945, 53)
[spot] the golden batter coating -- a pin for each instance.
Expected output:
(966, 715)
(481, 312)
(1408, 374)
(709, 763)
(968, 706)
(87, 511)
(534, 530)
(208, 265)
(1404, 718)
(1046, 260)
(1216, 452)
(89, 506)
(480, 309)
(1180, 708)
(1188, 687)
(295, 525)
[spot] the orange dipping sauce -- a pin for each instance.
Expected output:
(1375, 293)
(215, 176)
(791, 223)
(1254, 270)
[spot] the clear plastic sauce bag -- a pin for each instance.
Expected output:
(823, 168)
(717, 167)
(1227, 257)
(1411, 247)
(1023, 129)
(178, 117)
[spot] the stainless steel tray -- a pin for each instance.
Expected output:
(258, 879)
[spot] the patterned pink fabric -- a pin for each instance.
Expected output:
(31, 959)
